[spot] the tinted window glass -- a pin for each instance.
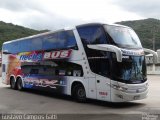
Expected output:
(71, 40)
(98, 60)
(92, 35)
(60, 40)
(15, 46)
(11, 47)
(64, 68)
(49, 41)
(36, 43)
(130, 70)
(123, 36)
(5, 48)
(61, 43)
(54, 41)
(53, 68)
(24, 45)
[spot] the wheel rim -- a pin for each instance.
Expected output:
(81, 93)
(12, 83)
(19, 84)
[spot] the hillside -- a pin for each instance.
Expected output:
(8, 31)
(147, 30)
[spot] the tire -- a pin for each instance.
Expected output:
(79, 93)
(12, 83)
(19, 84)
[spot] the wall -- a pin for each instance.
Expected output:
(151, 67)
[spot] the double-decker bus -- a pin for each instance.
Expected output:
(97, 61)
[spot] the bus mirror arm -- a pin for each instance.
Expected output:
(108, 48)
(155, 55)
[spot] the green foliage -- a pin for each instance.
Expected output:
(147, 30)
(9, 32)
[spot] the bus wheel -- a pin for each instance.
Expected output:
(19, 84)
(12, 83)
(79, 93)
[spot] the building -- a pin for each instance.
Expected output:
(153, 68)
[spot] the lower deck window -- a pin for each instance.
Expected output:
(54, 68)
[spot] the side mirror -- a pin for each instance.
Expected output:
(155, 55)
(109, 48)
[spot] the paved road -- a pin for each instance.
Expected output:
(12, 101)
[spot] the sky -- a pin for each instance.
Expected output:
(58, 14)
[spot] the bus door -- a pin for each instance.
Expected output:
(3, 72)
(92, 88)
(4, 68)
(103, 88)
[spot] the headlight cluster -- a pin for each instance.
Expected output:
(119, 88)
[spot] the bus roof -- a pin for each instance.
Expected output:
(50, 32)
(33, 36)
(92, 24)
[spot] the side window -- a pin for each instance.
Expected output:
(71, 40)
(36, 44)
(13, 47)
(16, 47)
(98, 60)
(54, 41)
(61, 42)
(34, 71)
(92, 35)
(5, 48)
(64, 68)
(24, 45)
(49, 41)
(100, 64)
(53, 68)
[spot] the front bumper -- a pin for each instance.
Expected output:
(120, 96)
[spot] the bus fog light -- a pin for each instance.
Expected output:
(120, 96)
(136, 97)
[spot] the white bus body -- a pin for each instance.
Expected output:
(98, 61)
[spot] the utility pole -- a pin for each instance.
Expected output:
(153, 40)
(154, 31)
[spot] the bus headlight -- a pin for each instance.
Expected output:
(119, 88)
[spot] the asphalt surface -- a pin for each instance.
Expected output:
(36, 102)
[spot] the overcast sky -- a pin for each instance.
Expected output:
(56, 14)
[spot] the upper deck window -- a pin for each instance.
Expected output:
(92, 34)
(53, 41)
(60, 40)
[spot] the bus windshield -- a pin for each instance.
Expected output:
(131, 70)
(123, 36)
